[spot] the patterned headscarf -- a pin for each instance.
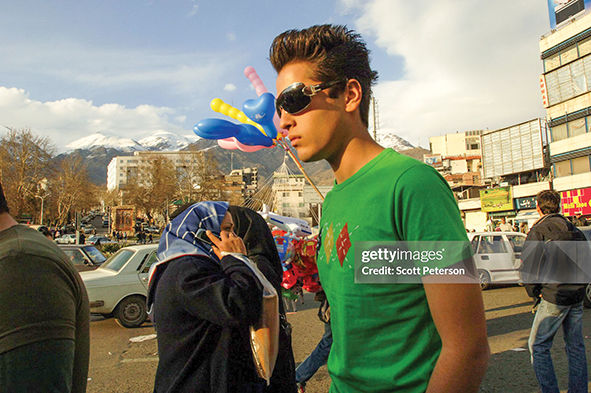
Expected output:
(178, 238)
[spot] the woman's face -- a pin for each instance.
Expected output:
(227, 223)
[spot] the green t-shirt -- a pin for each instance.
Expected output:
(42, 297)
(384, 339)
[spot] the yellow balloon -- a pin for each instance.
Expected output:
(220, 106)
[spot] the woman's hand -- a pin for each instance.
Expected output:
(227, 242)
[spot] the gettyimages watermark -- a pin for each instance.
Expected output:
(411, 262)
(566, 262)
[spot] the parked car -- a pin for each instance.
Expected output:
(88, 228)
(84, 257)
(97, 240)
(69, 238)
(152, 229)
(497, 256)
(119, 287)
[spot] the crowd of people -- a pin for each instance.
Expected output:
(213, 292)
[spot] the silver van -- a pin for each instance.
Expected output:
(497, 256)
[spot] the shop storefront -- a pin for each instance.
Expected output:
(575, 202)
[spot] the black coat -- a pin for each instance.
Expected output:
(543, 256)
(261, 249)
(202, 312)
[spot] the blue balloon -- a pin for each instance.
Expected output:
(261, 110)
(222, 129)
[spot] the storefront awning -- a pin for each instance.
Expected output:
(526, 215)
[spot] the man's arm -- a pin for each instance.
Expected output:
(458, 313)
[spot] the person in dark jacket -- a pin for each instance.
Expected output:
(261, 249)
(552, 266)
(202, 300)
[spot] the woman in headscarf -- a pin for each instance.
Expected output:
(261, 249)
(202, 301)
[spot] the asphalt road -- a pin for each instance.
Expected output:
(119, 365)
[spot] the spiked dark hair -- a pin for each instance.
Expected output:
(337, 52)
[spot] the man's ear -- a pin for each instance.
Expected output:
(353, 95)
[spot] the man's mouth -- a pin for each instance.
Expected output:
(294, 139)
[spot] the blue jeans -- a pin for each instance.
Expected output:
(317, 358)
(549, 317)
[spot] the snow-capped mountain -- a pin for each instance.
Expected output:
(164, 140)
(390, 140)
(158, 141)
(100, 140)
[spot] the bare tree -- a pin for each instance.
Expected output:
(24, 163)
(154, 185)
(199, 178)
(71, 189)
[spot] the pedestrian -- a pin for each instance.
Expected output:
(150, 238)
(45, 231)
(261, 249)
(559, 304)
(82, 238)
(319, 355)
(505, 226)
(386, 337)
(44, 313)
(523, 227)
(203, 298)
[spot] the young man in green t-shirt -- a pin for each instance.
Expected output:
(387, 337)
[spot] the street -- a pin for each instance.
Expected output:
(119, 365)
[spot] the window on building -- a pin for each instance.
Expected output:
(585, 47)
(580, 165)
(562, 168)
(300, 194)
(569, 54)
(576, 127)
(552, 62)
(559, 132)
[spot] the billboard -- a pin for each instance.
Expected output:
(496, 199)
(525, 203)
(576, 202)
(561, 10)
(513, 149)
(432, 159)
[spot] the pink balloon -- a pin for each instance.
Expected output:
(255, 79)
(260, 88)
(233, 144)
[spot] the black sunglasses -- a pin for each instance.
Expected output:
(297, 96)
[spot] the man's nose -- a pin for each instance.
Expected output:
(286, 120)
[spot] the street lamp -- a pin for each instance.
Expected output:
(42, 189)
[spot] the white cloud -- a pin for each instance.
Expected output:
(468, 64)
(231, 36)
(66, 120)
(229, 87)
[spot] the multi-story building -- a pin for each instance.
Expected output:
(242, 183)
(566, 92)
(121, 169)
(293, 197)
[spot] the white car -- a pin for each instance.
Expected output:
(69, 238)
(497, 256)
(120, 286)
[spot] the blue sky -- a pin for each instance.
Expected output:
(129, 68)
